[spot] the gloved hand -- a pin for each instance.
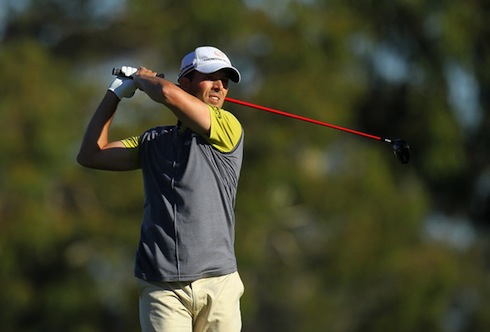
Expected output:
(124, 87)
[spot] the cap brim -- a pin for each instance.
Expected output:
(233, 73)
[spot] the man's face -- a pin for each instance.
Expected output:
(210, 88)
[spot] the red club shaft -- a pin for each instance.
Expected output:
(302, 118)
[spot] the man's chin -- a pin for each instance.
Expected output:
(215, 103)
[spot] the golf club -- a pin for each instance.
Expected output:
(400, 147)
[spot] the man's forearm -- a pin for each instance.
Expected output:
(97, 132)
(155, 87)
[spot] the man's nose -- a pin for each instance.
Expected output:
(218, 85)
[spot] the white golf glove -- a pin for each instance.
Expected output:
(124, 87)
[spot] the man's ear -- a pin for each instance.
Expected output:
(184, 83)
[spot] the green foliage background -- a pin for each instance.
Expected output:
(333, 233)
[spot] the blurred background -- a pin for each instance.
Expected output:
(333, 232)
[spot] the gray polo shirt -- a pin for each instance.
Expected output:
(190, 185)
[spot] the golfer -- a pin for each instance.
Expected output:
(185, 264)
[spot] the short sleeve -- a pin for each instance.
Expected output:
(131, 142)
(226, 130)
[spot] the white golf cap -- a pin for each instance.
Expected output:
(207, 60)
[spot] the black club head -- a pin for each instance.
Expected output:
(401, 150)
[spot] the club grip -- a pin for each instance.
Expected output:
(116, 71)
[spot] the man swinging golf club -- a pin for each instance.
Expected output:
(185, 263)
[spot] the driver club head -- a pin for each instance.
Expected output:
(401, 150)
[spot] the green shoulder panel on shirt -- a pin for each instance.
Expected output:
(226, 130)
(131, 142)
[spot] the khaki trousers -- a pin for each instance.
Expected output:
(209, 304)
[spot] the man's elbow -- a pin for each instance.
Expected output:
(84, 160)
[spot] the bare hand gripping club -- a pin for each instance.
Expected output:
(400, 147)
